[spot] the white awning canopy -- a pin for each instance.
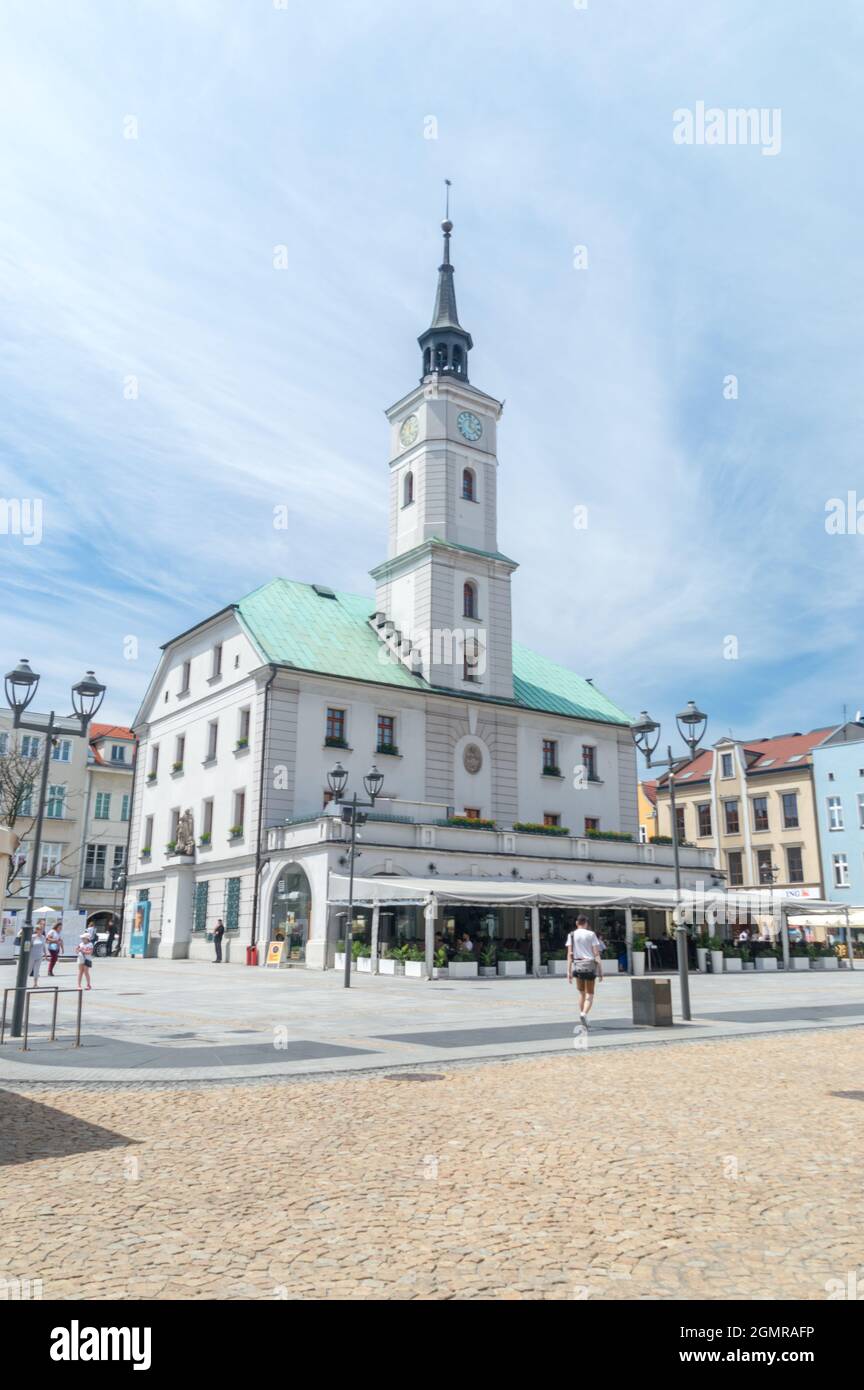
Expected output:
(546, 893)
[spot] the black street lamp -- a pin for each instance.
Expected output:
(337, 780)
(21, 686)
(692, 724)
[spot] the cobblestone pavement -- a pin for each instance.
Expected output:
(719, 1170)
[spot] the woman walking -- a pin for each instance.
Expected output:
(54, 946)
(37, 949)
(85, 959)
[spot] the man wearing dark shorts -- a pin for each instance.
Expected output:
(583, 962)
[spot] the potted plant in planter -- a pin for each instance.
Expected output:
(440, 970)
(146, 852)
(702, 956)
(733, 957)
(171, 847)
(766, 960)
(390, 961)
(747, 961)
(414, 960)
(463, 966)
(488, 960)
(824, 957)
(511, 963)
(556, 961)
(363, 957)
(204, 839)
(339, 958)
(715, 950)
(637, 952)
(235, 832)
(799, 956)
(241, 744)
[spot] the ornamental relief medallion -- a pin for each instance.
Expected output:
(472, 757)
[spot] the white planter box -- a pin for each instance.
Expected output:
(340, 960)
(463, 970)
(825, 963)
(557, 967)
(390, 967)
(702, 957)
(610, 967)
(717, 962)
(766, 962)
(487, 971)
(799, 962)
(512, 967)
(638, 962)
(440, 972)
(364, 965)
(415, 969)
(732, 963)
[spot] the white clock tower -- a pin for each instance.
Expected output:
(443, 594)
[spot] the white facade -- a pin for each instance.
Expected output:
(240, 739)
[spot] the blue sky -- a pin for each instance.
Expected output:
(305, 127)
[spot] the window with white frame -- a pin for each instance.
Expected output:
(861, 811)
(835, 813)
(185, 677)
(94, 866)
(124, 806)
(49, 858)
(4, 744)
(840, 865)
(30, 746)
(103, 806)
(154, 761)
(175, 825)
(216, 670)
(726, 767)
(62, 750)
(212, 740)
(118, 752)
(56, 803)
(147, 844)
(243, 725)
(238, 812)
(179, 752)
(207, 819)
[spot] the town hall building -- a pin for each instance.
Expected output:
(504, 773)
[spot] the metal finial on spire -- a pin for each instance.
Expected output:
(447, 187)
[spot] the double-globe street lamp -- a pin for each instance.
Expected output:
(87, 696)
(353, 814)
(692, 724)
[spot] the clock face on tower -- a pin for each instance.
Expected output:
(408, 432)
(469, 426)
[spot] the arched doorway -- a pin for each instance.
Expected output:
(107, 926)
(289, 912)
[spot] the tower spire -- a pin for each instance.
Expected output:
(446, 343)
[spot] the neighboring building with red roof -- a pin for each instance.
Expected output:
(753, 802)
(647, 805)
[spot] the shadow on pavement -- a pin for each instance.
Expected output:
(30, 1130)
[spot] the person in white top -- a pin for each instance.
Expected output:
(583, 961)
(37, 947)
(85, 959)
(54, 945)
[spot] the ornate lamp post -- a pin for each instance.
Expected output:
(353, 815)
(21, 686)
(692, 724)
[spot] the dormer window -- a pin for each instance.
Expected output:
(469, 600)
(468, 485)
(408, 489)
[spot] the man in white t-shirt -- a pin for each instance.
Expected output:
(583, 961)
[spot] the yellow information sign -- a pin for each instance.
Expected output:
(275, 952)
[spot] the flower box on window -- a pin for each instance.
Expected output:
(235, 832)
(527, 827)
(332, 741)
(176, 767)
(204, 839)
(551, 771)
(389, 748)
(609, 835)
(146, 852)
(171, 847)
(151, 776)
(467, 823)
(241, 744)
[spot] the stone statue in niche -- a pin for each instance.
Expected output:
(185, 843)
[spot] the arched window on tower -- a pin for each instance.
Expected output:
(468, 490)
(469, 599)
(427, 361)
(457, 360)
(441, 357)
(408, 489)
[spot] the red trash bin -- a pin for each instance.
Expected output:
(251, 955)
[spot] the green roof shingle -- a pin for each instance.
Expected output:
(292, 625)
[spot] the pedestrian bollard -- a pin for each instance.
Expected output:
(652, 1001)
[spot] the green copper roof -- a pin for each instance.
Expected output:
(293, 625)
